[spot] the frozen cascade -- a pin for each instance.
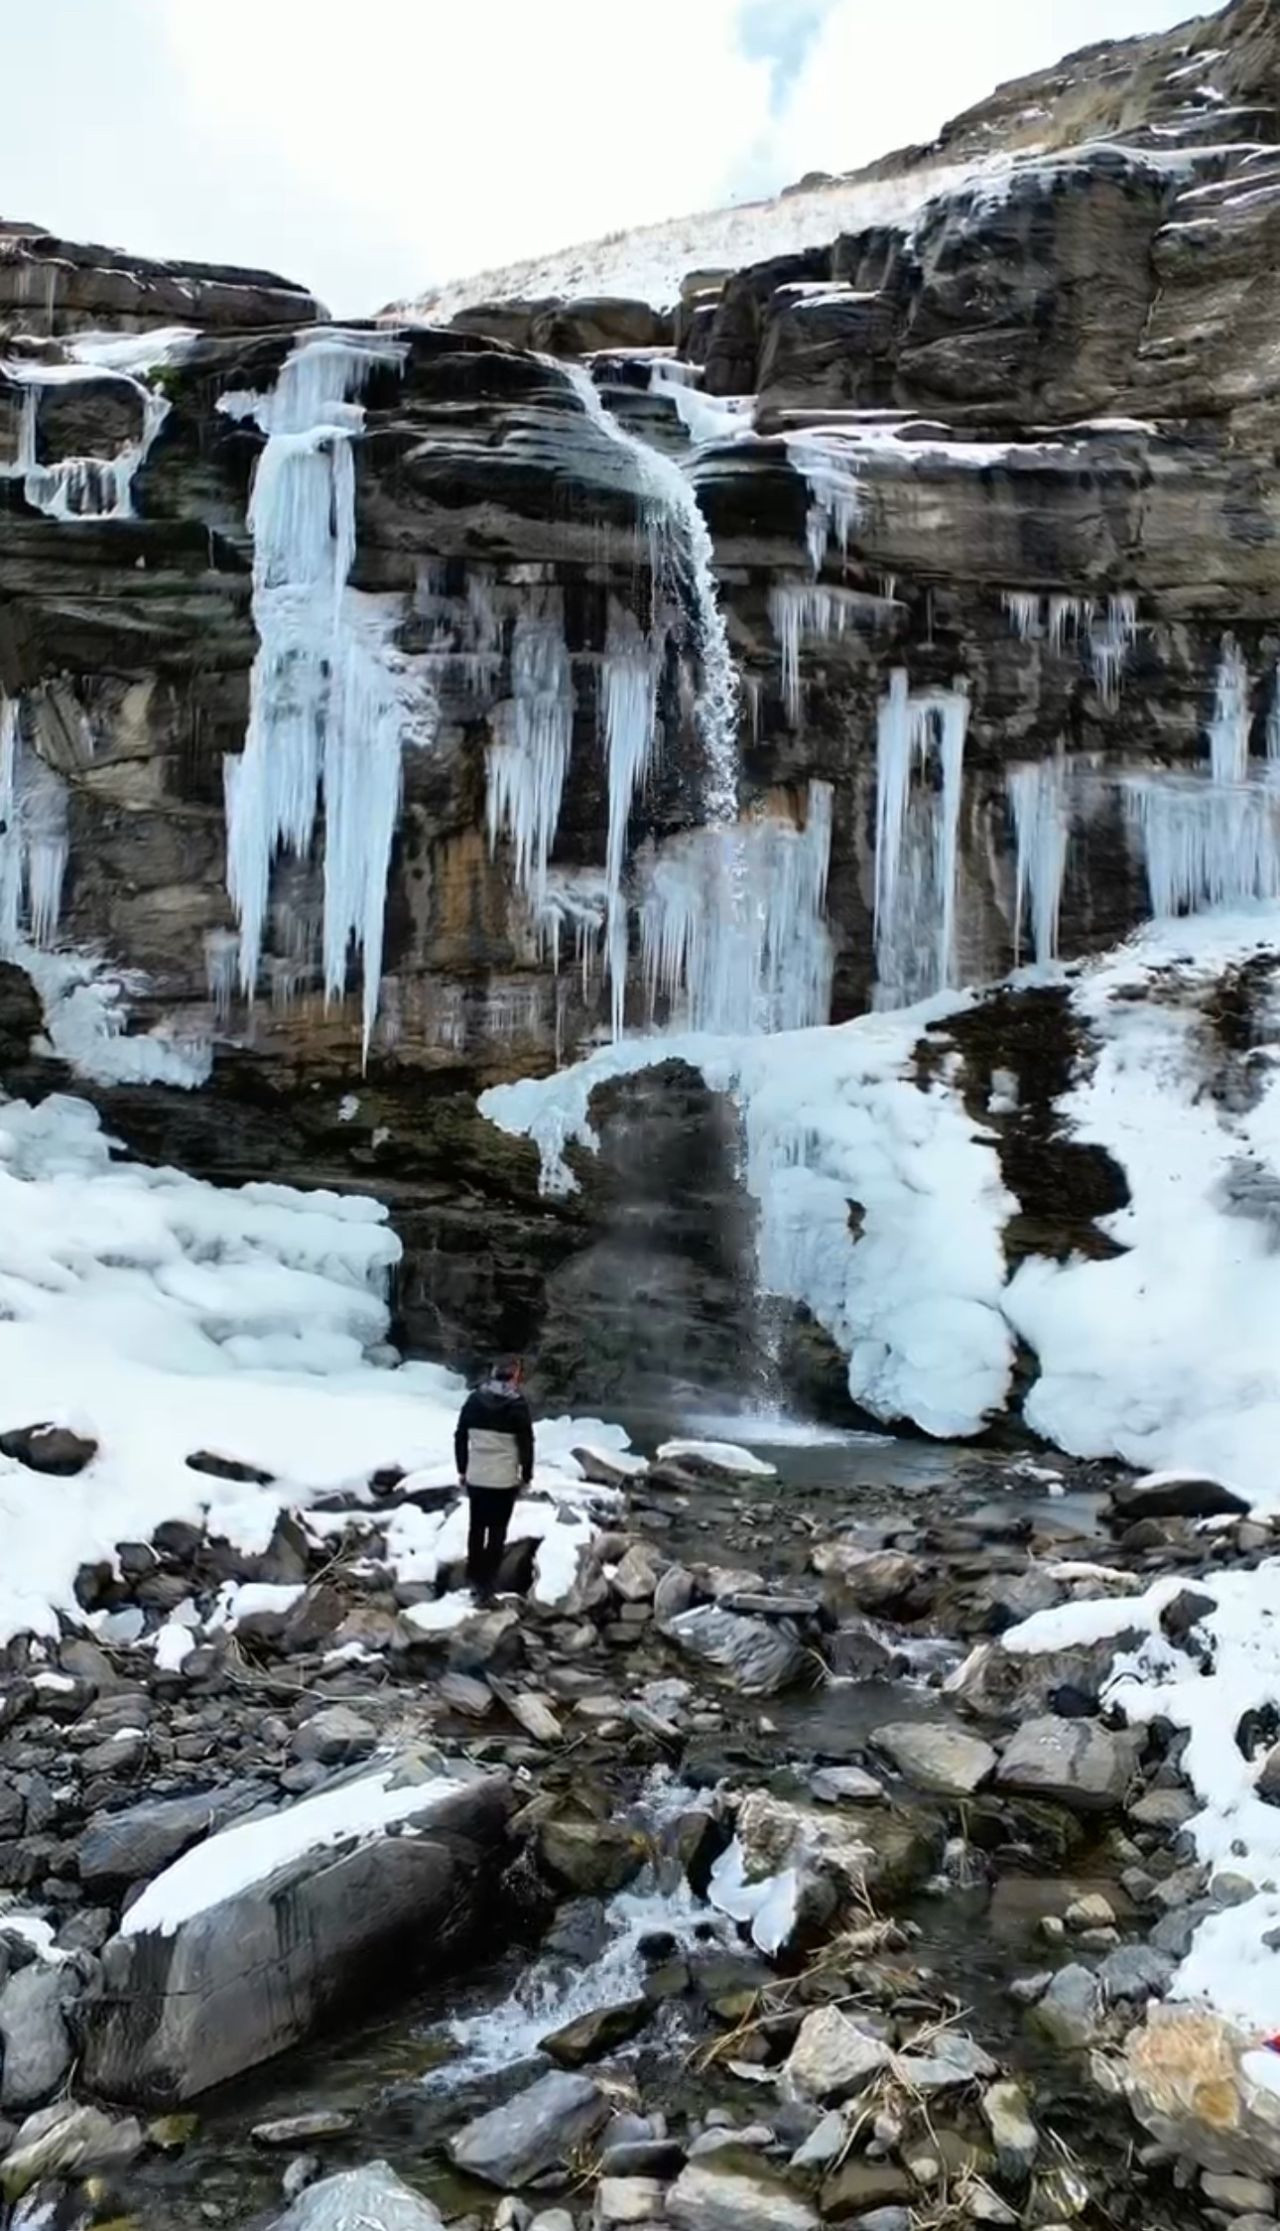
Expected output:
(745, 952)
(800, 608)
(331, 699)
(683, 558)
(79, 487)
(628, 719)
(528, 762)
(917, 839)
(1112, 636)
(1229, 726)
(1038, 803)
(33, 838)
(828, 466)
(1066, 618)
(1023, 607)
(705, 418)
(1205, 844)
(1273, 720)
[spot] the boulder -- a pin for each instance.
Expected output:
(1175, 1495)
(1013, 2133)
(251, 1941)
(133, 1845)
(368, 2199)
(593, 2035)
(33, 2034)
(533, 2133)
(934, 1757)
(707, 2198)
(792, 1865)
(336, 1736)
(1135, 1971)
(1204, 2091)
(869, 1580)
(49, 1448)
(68, 2141)
(1069, 2013)
(592, 1857)
(1077, 1762)
(833, 2057)
(629, 2200)
(996, 1680)
(760, 1656)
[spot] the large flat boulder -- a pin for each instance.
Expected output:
(368, 2199)
(1076, 1762)
(263, 1933)
(532, 2134)
(136, 1843)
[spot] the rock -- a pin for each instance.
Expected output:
(336, 1736)
(760, 1656)
(824, 2144)
(1070, 2011)
(1013, 2133)
(536, 2131)
(836, 1858)
(1193, 2081)
(995, 1680)
(1135, 1971)
(49, 1448)
(592, 2035)
(1176, 1495)
(1239, 2195)
(68, 2141)
(132, 1845)
(707, 2198)
(1093, 1911)
(609, 1467)
(593, 1857)
(1075, 1762)
(303, 2130)
(859, 2186)
(720, 1462)
(638, 1574)
(943, 1759)
(463, 1693)
(949, 2060)
(1170, 1809)
(629, 2200)
(534, 1715)
(367, 2199)
(36, 2045)
(845, 1785)
(1184, 1612)
(281, 1923)
(858, 1579)
(833, 2057)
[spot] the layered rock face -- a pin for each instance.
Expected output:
(378, 713)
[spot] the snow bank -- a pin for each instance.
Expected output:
(159, 1316)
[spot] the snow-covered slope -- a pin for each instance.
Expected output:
(649, 264)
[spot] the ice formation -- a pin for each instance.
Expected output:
(332, 700)
(1041, 820)
(800, 608)
(1023, 607)
(1205, 843)
(917, 838)
(829, 468)
(80, 487)
(33, 838)
(1109, 631)
(732, 934)
(1111, 636)
(529, 759)
(1230, 722)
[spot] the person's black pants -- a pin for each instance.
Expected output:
(490, 1513)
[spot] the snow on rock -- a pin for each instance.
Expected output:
(157, 1315)
(718, 1456)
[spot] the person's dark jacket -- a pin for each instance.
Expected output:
(493, 1443)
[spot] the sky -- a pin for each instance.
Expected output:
(373, 152)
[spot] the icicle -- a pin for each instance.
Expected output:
(628, 715)
(917, 841)
(1273, 719)
(1111, 639)
(684, 558)
(1038, 803)
(528, 763)
(1066, 618)
(829, 468)
(330, 698)
(1023, 608)
(798, 608)
(79, 487)
(221, 967)
(1205, 844)
(744, 951)
(1229, 726)
(33, 839)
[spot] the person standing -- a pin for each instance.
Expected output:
(493, 1447)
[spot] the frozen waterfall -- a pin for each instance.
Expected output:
(33, 838)
(331, 699)
(1038, 804)
(80, 487)
(917, 838)
(1204, 843)
(812, 608)
(1230, 722)
(529, 760)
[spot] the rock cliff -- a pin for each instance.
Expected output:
(395, 711)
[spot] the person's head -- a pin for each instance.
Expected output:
(507, 1371)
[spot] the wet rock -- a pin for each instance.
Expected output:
(258, 1968)
(1093, 1911)
(935, 1757)
(1135, 1972)
(641, 2157)
(36, 2044)
(1167, 1810)
(1013, 2133)
(705, 2197)
(1239, 2195)
(629, 2200)
(595, 2034)
(367, 2199)
(579, 1932)
(845, 1785)
(1075, 1762)
(336, 1736)
(951, 2059)
(593, 1857)
(133, 1845)
(869, 1580)
(68, 2141)
(535, 2132)
(860, 2186)
(996, 1680)
(303, 2130)
(760, 1656)
(833, 2057)
(1070, 2012)
(54, 1449)
(1176, 1495)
